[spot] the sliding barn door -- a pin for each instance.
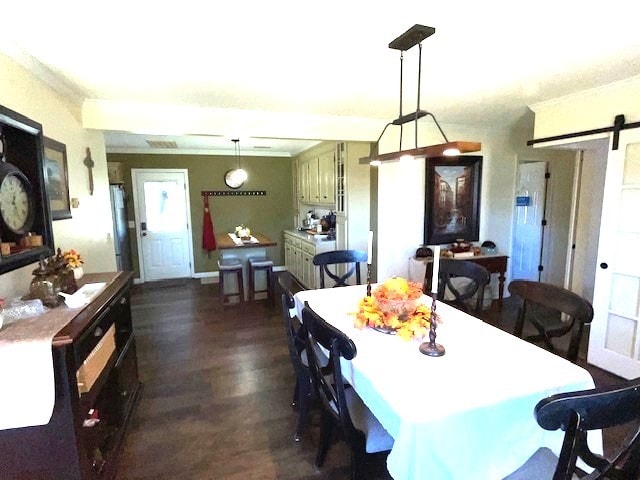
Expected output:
(614, 343)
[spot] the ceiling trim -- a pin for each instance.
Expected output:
(57, 82)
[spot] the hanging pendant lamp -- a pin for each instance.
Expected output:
(236, 177)
(412, 37)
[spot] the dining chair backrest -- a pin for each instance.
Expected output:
(293, 327)
(329, 386)
(296, 333)
(342, 408)
(351, 260)
(576, 413)
(462, 283)
(542, 305)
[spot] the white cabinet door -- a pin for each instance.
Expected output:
(288, 254)
(614, 341)
(326, 178)
(303, 181)
(314, 190)
(307, 270)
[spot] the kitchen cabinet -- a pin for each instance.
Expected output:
(316, 178)
(326, 179)
(352, 196)
(96, 388)
(299, 250)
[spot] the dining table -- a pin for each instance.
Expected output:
(231, 246)
(468, 414)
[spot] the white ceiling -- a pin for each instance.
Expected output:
(487, 61)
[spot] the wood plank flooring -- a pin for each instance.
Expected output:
(216, 402)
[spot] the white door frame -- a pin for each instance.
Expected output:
(134, 177)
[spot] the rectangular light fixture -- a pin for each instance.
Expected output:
(412, 37)
(431, 151)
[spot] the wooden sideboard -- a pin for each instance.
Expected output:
(73, 445)
(493, 263)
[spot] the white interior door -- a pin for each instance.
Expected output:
(162, 223)
(529, 212)
(614, 342)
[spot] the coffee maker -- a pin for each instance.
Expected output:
(330, 221)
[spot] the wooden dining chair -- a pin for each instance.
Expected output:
(461, 284)
(545, 306)
(295, 332)
(576, 413)
(342, 408)
(350, 259)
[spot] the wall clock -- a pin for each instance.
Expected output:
(16, 199)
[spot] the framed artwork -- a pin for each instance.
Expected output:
(452, 199)
(57, 178)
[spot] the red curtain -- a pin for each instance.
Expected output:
(208, 237)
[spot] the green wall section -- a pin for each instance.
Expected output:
(269, 214)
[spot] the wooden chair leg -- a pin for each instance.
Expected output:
(358, 462)
(221, 285)
(326, 426)
(304, 401)
(252, 281)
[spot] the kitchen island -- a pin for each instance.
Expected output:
(232, 246)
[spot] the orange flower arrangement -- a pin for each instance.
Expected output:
(73, 258)
(395, 305)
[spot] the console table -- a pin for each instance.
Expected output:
(95, 372)
(495, 264)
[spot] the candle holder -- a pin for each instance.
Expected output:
(431, 348)
(368, 279)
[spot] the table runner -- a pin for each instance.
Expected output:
(26, 367)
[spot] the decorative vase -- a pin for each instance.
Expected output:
(78, 272)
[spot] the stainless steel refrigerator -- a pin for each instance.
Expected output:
(120, 228)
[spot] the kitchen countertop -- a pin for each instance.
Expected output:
(310, 237)
(224, 242)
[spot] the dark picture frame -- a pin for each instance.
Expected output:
(452, 199)
(57, 178)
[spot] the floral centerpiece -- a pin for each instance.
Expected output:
(242, 232)
(395, 306)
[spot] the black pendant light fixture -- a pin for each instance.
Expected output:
(412, 37)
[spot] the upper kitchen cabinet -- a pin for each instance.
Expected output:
(316, 176)
(352, 195)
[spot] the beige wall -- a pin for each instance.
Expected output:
(90, 230)
(270, 214)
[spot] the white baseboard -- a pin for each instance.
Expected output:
(214, 277)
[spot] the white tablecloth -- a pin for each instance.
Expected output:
(466, 415)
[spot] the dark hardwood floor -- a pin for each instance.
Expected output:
(216, 402)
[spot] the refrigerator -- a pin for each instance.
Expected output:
(120, 228)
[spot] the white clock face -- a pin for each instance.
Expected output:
(14, 203)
